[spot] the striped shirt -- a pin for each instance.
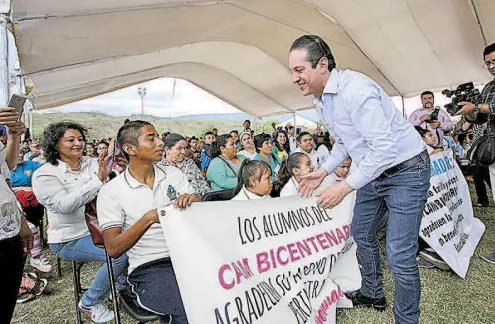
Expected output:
(487, 97)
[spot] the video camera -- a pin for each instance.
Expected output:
(433, 115)
(464, 92)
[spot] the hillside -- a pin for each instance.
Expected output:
(102, 126)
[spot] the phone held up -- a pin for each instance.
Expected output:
(17, 102)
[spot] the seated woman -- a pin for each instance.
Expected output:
(265, 153)
(281, 146)
(223, 169)
(175, 147)
(254, 181)
(249, 150)
(64, 185)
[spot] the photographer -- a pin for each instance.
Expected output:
(433, 119)
(476, 114)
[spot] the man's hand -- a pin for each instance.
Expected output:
(467, 108)
(26, 235)
(333, 195)
(184, 201)
(310, 182)
(435, 124)
(8, 117)
(16, 129)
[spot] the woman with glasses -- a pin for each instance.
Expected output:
(175, 149)
(223, 169)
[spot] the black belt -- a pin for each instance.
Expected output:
(423, 156)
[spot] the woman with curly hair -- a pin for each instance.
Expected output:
(64, 185)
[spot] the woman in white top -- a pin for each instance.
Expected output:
(254, 181)
(248, 151)
(64, 185)
(14, 231)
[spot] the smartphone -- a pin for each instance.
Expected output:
(17, 102)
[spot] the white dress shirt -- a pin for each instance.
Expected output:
(245, 194)
(366, 125)
(292, 143)
(316, 157)
(65, 193)
(124, 200)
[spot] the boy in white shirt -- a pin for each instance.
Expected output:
(128, 209)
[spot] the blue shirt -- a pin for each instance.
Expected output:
(366, 125)
(21, 176)
(205, 158)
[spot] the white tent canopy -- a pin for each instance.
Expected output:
(237, 50)
(298, 121)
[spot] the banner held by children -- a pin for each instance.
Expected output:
(271, 261)
(448, 223)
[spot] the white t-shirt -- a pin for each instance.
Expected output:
(315, 156)
(124, 200)
(247, 155)
(245, 194)
(10, 216)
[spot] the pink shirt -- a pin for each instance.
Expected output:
(443, 118)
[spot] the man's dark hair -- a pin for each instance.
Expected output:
(51, 136)
(214, 129)
(104, 143)
(301, 135)
(209, 133)
(234, 131)
(25, 141)
(247, 121)
(316, 49)
(290, 127)
(129, 134)
(427, 92)
(488, 50)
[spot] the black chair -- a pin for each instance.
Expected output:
(221, 195)
(78, 290)
(126, 301)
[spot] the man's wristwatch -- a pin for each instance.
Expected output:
(476, 108)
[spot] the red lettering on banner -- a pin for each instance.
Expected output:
(321, 240)
(279, 259)
(322, 313)
(292, 252)
(241, 270)
(262, 261)
(221, 278)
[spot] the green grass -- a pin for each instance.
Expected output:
(446, 298)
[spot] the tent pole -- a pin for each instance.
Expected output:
(403, 107)
(294, 113)
(254, 126)
(4, 60)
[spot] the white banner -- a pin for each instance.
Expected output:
(266, 261)
(448, 224)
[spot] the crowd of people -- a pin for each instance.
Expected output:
(136, 173)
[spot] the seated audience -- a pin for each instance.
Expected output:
(249, 151)
(223, 169)
(64, 185)
(175, 147)
(265, 153)
(254, 181)
(128, 209)
(206, 157)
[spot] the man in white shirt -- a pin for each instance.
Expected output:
(292, 139)
(306, 145)
(128, 209)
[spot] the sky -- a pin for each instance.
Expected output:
(187, 99)
(160, 100)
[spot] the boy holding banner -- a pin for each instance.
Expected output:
(128, 209)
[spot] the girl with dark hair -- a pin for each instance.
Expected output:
(297, 165)
(254, 181)
(323, 147)
(223, 169)
(265, 153)
(281, 145)
(175, 148)
(102, 148)
(64, 185)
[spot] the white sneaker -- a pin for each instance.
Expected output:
(41, 264)
(98, 313)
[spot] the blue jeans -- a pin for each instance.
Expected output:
(83, 249)
(403, 195)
